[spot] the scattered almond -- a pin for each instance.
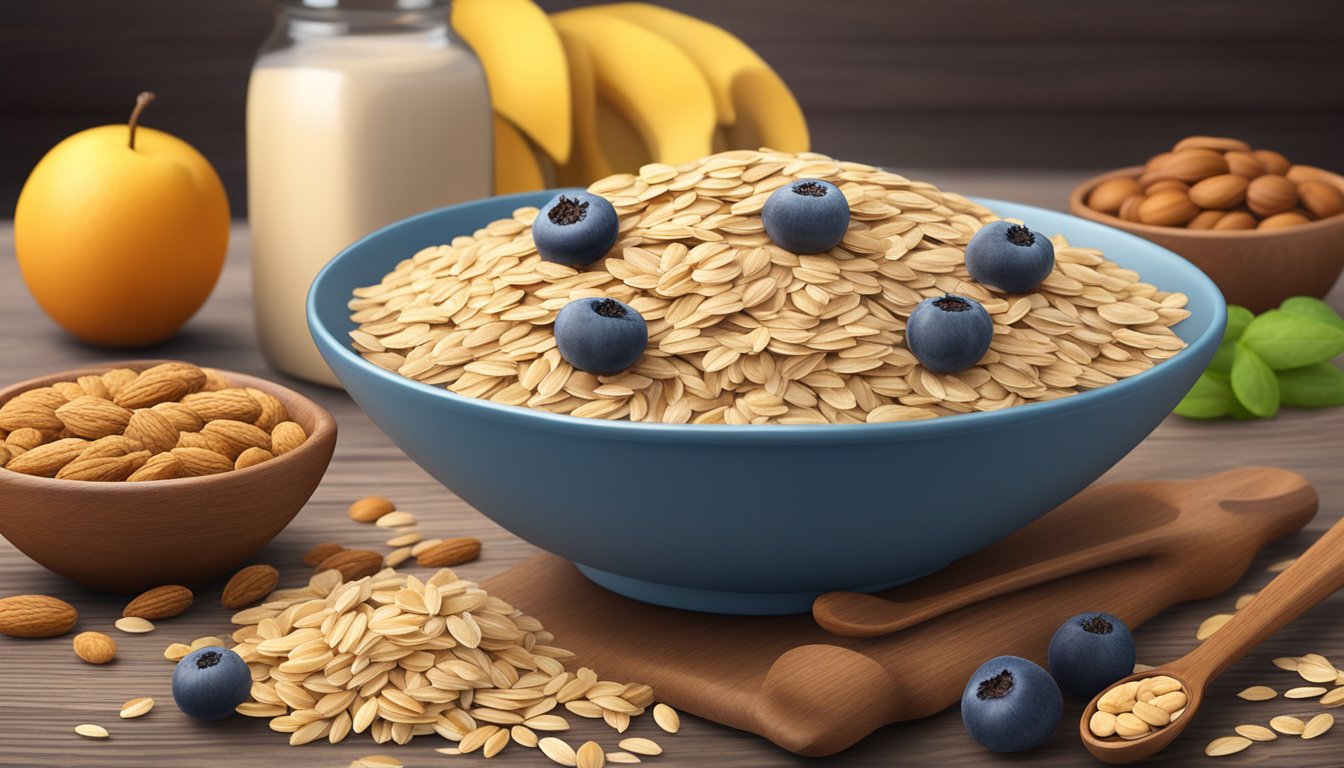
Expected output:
(134, 625)
(1318, 725)
(250, 585)
(162, 602)
(641, 746)
(450, 552)
(666, 718)
(91, 731)
(353, 563)
(1287, 725)
(36, 616)
(1227, 745)
(320, 552)
(370, 508)
(590, 755)
(395, 520)
(138, 707)
(95, 647)
(1258, 693)
(1256, 732)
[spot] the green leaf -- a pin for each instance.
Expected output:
(1254, 384)
(1284, 340)
(1238, 317)
(1312, 309)
(1222, 359)
(1210, 398)
(1313, 386)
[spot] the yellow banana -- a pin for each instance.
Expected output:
(755, 107)
(519, 165)
(587, 161)
(649, 82)
(525, 66)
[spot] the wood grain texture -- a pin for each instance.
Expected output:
(971, 83)
(816, 693)
(46, 691)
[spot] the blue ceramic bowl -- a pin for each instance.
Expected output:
(759, 519)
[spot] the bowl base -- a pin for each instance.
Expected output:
(713, 601)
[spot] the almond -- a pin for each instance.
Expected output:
(272, 410)
(26, 438)
(159, 603)
(1271, 161)
(1206, 220)
(69, 389)
(93, 386)
(1270, 194)
(1108, 195)
(238, 434)
(369, 509)
(1282, 220)
(320, 552)
(252, 457)
(1243, 164)
(95, 647)
(160, 466)
(215, 380)
(250, 585)
(353, 563)
(1129, 210)
(287, 436)
(202, 461)
(4, 456)
(1320, 199)
(47, 460)
(182, 417)
(1165, 185)
(1168, 209)
(1188, 165)
(1220, 192)
(116, 380)
(1236, 220)
(20, 412)
(112, 445)
(105, 469)
(36, 616)
(153, 429)
(450, 552)
(225, 404)
(93, 417)
(209, 442)
(47, 396)
(160, 384)
(1216, 143)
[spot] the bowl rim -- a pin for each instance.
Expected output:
(759, 433)
(324, 430)
(1079, 208)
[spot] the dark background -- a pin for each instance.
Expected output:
(911, 84)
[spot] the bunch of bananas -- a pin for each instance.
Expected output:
(592, 91)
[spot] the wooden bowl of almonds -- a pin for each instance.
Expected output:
(130, 475)
(1261, 227)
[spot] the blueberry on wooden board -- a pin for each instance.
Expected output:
(1011, 705)
(1089, 652)
(210, 682)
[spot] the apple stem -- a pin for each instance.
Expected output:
(141, 102)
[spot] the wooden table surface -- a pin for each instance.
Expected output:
(45, 691)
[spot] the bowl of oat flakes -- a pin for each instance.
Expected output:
(777, 438)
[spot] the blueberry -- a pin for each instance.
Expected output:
(210, 682)
(1009, 257)
(1089, 652)
(575, 229)
(600, 336)
(806, 216)
(949, 333)
(1011, 705)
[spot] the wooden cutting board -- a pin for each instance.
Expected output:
(814, 693)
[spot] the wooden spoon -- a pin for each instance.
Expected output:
(1095, 539)
(1317, 574)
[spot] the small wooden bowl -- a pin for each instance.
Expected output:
(128, 537)
(1256, 269)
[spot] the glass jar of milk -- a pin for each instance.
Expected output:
(359, 113)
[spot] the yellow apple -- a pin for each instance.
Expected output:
(121, 233)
